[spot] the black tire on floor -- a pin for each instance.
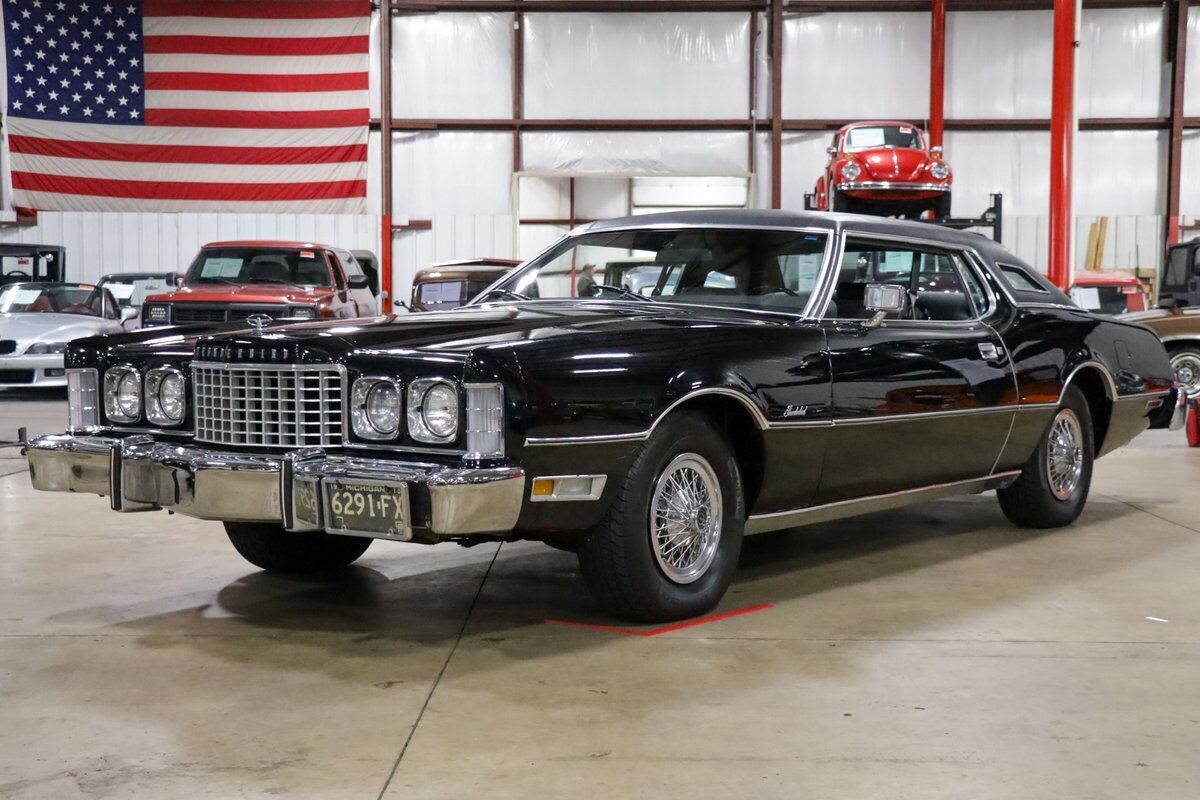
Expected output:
(1030, 501)
(619, 560)
(273, 549)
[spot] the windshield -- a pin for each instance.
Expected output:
(756, 269)
(259, 265)
(871, 136)
(19, 298)
(132, 292)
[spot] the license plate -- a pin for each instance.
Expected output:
(367, 508)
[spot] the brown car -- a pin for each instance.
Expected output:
(1179, 329)
(454, 283)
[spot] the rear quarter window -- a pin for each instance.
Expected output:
(1030, 286)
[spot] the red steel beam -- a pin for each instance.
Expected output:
(518, 85)
(937, 72)
(964, 124)
(1175, 146)
(385, 153)
(719, 6)
(1062, 134)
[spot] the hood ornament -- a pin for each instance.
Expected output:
(258, 321)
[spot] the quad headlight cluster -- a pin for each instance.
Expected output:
(429, 407)
(162, 394)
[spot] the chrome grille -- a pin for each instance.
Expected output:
(268, 406)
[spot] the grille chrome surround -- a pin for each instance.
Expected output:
(269, 405)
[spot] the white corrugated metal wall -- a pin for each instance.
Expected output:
(696, 65)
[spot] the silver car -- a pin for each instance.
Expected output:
(37, 320)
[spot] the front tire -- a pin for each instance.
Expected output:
(1053, 486)
(669, 545)
(838, 201)
(941, 206)
(270, 547)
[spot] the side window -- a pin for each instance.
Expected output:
(1175, 280)
(353, 268)
(931, 280)
(974, 287)
(339, 279)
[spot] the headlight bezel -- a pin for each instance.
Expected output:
(46, 349)
(114, 376)
(419, 427)
(148, 310)
(939, 170)
(851, 171)
(305, 313)
(152, 399)
(361, 422)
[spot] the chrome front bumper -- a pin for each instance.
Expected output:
(892, 186)
(138, 474)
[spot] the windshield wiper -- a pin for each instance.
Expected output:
(214, 279)
(269, 280)
(622, 291)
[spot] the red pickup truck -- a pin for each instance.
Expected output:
(231, 281)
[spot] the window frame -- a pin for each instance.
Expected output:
(967, 258)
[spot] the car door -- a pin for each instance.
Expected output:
(346, 307)
(922, 397)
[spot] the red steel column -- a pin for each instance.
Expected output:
(1062, 133)
(385, 154)
(776, 33)
(937, 73)
(1175, 148)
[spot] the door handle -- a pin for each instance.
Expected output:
(990, 352)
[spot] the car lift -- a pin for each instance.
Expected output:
(992, 218)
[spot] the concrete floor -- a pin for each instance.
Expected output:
(934, 652)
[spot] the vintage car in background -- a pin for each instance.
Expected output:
(786, 369)
(130, 289)
(452, 284)
(38, 320)
(232, 281)
(886, 169)
(32, 263)
(1108, 293)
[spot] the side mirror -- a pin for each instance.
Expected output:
(128, 314)
(831, 150)
(358, 282)
(884, 299)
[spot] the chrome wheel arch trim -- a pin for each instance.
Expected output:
(1110, 384)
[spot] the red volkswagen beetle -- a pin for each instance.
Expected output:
(884, 168)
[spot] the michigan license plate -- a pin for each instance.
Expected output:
(367, 508)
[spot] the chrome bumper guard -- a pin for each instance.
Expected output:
(138, 474)
(897, 186)
(1171, 412)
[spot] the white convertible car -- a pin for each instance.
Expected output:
(37, 320)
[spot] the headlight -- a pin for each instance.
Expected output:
(940, 170)
(46, 348)
(851, 171)
(375, 408)
(158, 315)
(166, 396)
(302, 312)
(432, 410)
(122, 394)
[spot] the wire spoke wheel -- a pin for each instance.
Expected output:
(685, 518)
(1187, 371)
(1064, 456)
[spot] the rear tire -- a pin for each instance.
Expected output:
(1185, 360)
(941, 206)
(669, 545)
(270, 547)
(1053, 486)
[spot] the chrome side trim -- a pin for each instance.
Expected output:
(643, 435)
(903, 186)
(762, 523)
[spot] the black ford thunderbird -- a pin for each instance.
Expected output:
(764, 370)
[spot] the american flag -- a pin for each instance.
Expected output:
(188, 105)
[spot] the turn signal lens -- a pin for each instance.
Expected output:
(543, 487)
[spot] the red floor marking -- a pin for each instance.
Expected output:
(669, 628)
